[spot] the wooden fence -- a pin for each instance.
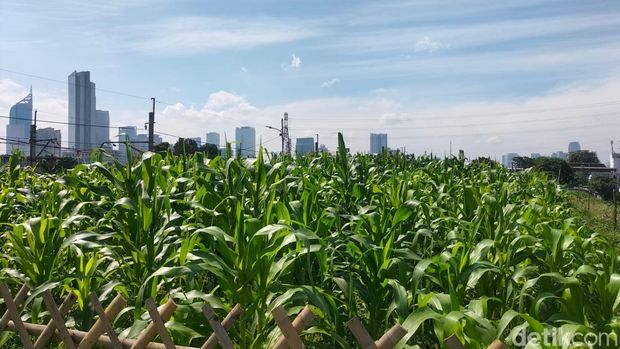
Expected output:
(102, 333)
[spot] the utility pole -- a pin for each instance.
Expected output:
(33, 139)
(316, 145)
(282, 134)
(152, 127)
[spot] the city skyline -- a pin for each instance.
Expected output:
(526, 77)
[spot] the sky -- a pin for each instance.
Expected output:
(488, 77)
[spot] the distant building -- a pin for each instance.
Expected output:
(18, 128)
(535, 155)
(82, 103)
(560, 155)
(213, 138)
(245, 141)
(507, 159)
(574, 147)
(323, 148)
(137, 142)
(614, 160)
(48, 142)
(304, 145)
(378, 142)
(198, 141)
(100, 129)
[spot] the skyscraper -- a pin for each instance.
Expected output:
(198, 141)
(574, 147)
(378, 142)
(304, 145)
(48, 142)
(100, 129)
(82, 103)
(245, 139)
(18, 128)
(213, 138)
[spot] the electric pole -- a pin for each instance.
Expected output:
(152, 127)
(316, 145)
(33, 138)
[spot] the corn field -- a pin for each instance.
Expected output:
(442, 247)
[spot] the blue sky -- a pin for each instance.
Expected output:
(426, 72)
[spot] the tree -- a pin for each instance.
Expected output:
(161, 147)
(210, 149)
(583, 157)
(484, 161)
(603, 186)
(185, 146)
(522, 162)
(555, 168)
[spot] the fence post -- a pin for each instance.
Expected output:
(49, 330)
(99, 328)
(387, 341)
(14, 315)
(229, 320)
(165, 312)
(453, 342)
(290, 331)
(218, 329)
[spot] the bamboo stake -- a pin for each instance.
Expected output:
(229, 320)
(361, 334)
(291, 338)
(104, 320)
(165, 312)
(218, 329)
(104, 341)
(19, 299)
(59, 321)
(497, 344)
(391, 337)
(47, 334)
(302, 321)
(99, 328)
(14, 314)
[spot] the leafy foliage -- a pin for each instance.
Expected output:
(441, 246)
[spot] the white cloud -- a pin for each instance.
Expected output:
(187, 35)
(295, 62)
(244, 70)
(430, 46)
(331, 82)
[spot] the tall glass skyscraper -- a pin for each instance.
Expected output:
(18, 128)
(304, 145)
(82, 104)
(378, 142)
(245, 139)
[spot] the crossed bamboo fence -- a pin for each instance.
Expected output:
(102, 333)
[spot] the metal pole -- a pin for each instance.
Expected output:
(152, 127)
(616, 208)
(316, 145)
(282, 133)
(33, 138)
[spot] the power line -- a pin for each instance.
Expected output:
(513, 122)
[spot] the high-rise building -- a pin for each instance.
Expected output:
(101, 128)
(82, 102)
(49, 142)
(535, 155)
(18, 128)
(198, 141)
(378, 142)
(213, 138)
(137, 142)
(574, 147)
(304, 145)
(507, 159)
(560, 155)
(245, 141)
